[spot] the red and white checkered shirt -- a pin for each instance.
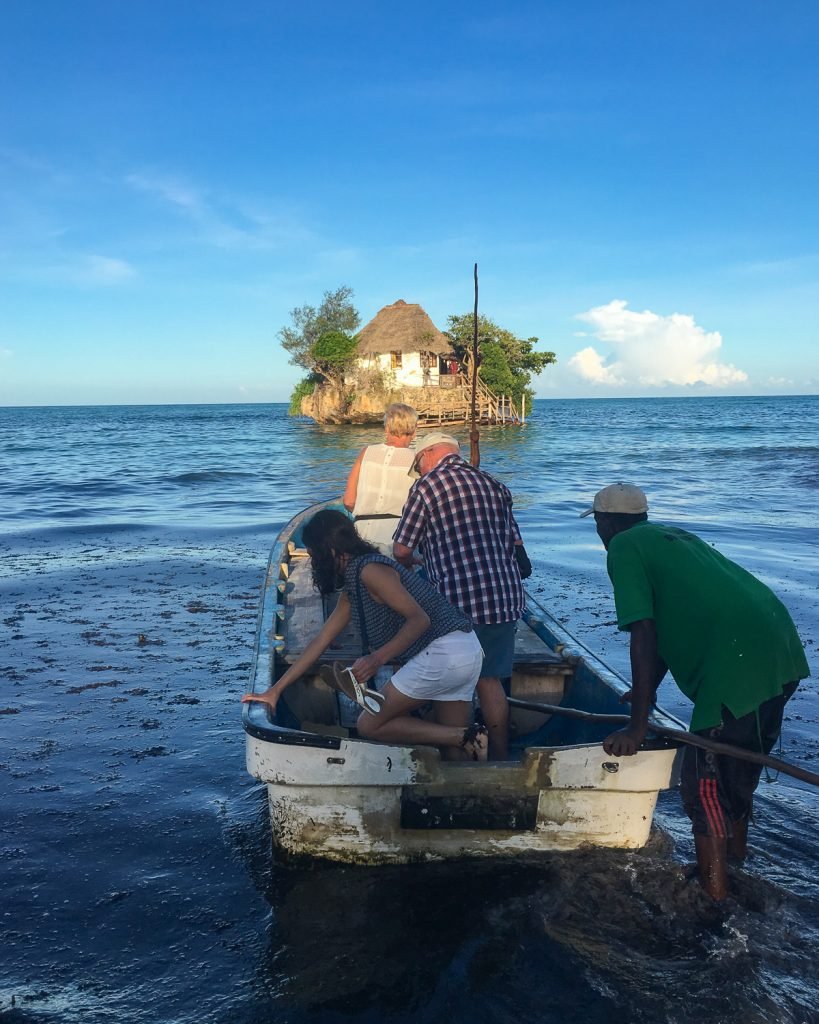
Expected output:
(460, 518)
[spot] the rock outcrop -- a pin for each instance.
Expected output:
(328, 405)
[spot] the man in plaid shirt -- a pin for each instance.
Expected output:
(461, 521)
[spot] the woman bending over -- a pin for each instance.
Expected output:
(398, 616)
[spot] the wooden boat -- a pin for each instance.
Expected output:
(341, 798)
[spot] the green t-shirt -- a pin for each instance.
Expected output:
(726, 638)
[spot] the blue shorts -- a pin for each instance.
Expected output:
(498, 642)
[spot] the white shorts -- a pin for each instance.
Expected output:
(447, 669)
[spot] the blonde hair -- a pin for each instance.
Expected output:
(400, 420)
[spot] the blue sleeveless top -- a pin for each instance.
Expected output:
(377, 623)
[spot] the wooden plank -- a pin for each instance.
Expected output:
(305, 614)
(531, 650)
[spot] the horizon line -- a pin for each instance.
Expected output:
(538, 398)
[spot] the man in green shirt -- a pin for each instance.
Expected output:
(731, 647)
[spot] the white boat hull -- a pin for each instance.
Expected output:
(352, 804)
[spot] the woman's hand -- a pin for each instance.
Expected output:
(334, 625)
(269, 697)
(365, 668)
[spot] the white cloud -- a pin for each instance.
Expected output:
(590, 365)
(651, 350)
(84, 270)
(224, 221)
(104, 270)
(172, 191)
(806, 262)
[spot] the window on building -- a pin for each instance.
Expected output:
(395, 360)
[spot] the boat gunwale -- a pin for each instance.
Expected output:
(255, 716)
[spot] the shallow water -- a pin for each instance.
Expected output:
(135, 865)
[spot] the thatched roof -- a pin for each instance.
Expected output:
(402, 327)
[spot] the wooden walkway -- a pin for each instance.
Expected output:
(452, 403)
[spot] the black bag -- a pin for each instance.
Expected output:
(524, 565)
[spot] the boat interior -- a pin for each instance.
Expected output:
(542, 674)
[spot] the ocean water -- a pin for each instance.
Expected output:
(136, 878)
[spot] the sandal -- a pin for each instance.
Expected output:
(476, 742)
(341, 678)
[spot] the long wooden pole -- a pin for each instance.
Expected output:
(677, 734)
(474, 448)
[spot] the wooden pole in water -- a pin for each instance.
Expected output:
(677, 734)
(474, 449)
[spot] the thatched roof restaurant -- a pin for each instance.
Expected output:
(402, 327)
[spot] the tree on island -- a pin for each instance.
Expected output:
(333, 356)
(322, 341)
(507, 363)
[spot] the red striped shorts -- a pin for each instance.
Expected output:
(718, 790)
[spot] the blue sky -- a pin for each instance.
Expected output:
(637, 182)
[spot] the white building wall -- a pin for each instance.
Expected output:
(409, 374)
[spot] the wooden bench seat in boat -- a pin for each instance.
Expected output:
(538, 674)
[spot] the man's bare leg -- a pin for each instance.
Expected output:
(738, 843)
(712, 855)
(495, 711)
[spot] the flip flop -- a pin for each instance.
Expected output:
(341, 678)
(363, 696)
